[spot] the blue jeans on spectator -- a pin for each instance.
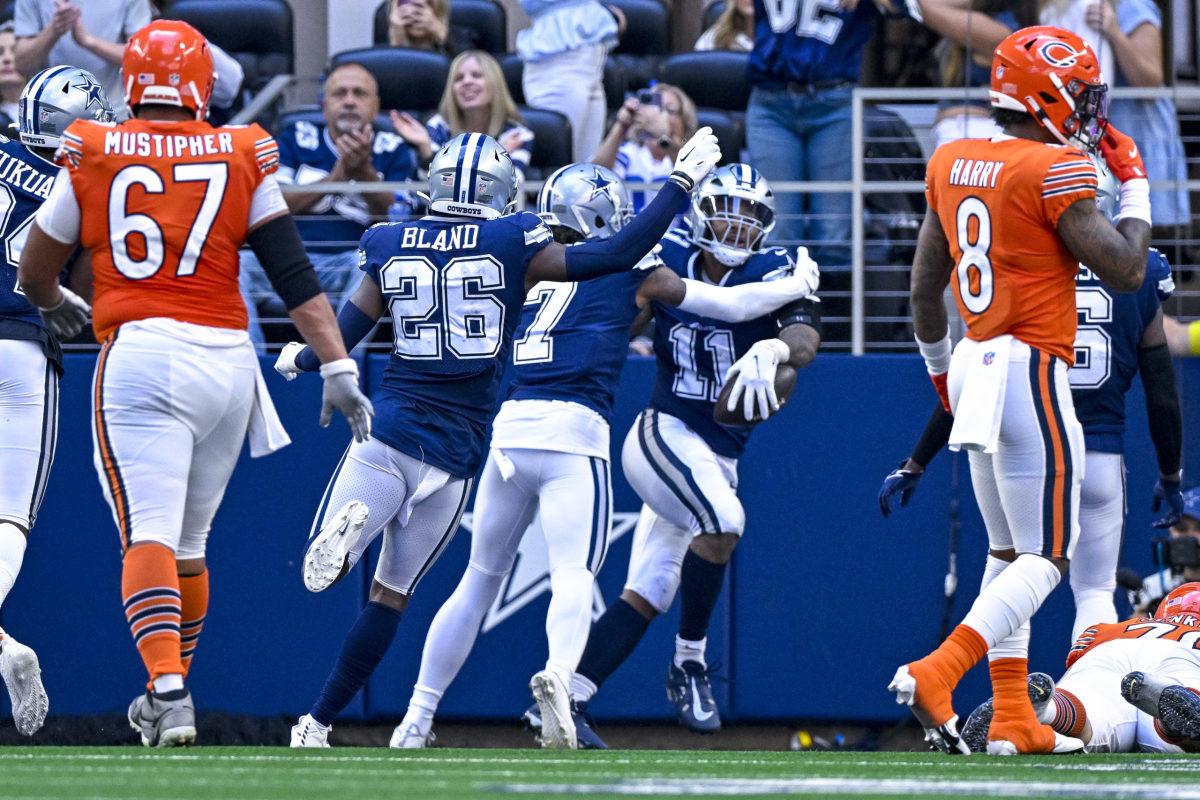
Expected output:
(336, 272)
(805, 136)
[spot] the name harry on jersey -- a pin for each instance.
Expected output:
(169, 145)
(978, 174)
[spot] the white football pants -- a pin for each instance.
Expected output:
(28, 428)
(572, 497)
(1101, 527)
(417, 506)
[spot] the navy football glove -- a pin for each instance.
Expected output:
(1167, 490)
(900, 480)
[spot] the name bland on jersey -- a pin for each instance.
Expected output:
(24, 176)
(459, 237)
(166, 145)
(978, 174)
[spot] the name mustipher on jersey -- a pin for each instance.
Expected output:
(457, 237)
(976, 173)
(162, 145)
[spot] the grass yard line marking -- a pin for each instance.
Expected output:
(838, 786)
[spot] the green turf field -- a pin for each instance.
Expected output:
(246, 773)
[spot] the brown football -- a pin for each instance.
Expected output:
(785, 384)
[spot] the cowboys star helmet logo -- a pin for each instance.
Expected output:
(599, 183)
(530, 575)
(92, 90)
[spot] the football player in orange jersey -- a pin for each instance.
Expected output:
(163, 202)
(1009, 219)
(1130, 686)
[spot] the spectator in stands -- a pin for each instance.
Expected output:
(644, 141)
(89, 35)
(345, 147)
(564, 51)
(425, 25)
(11, 81)
(733, 30)
(476, 100)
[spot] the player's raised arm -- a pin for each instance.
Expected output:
(626, 248)
(1116, 254)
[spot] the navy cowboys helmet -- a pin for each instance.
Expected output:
(56, 97)
(732, 212)
(472, 176)
(586, 198)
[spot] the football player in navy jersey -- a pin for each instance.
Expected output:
(1119, 335)
(30, 355)
(550, 443)
(453, 283)
(680, 461)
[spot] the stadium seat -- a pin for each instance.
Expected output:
(711, 12)
(486, 18)
(647, 27)
(713, 79)
(258, 33)
(412, 80)
(512, 66)
(551, 142)
(729, 130)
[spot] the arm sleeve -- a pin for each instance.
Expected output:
(805, 311)
(59, 215)
(281, 253)
(736, 303)
(591, 259)
(1162, 406)
(935, 436)
(353, 324)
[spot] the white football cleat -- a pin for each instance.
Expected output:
(1063, 745)
(310, 733)
(410, 737)
(325, 559)
(554, 701)
(23, 676)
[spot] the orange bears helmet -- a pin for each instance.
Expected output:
(1054, 75)
(168, 62)
(1182, 605)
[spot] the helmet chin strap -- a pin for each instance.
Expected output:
(729, 256)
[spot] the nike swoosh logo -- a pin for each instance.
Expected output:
(1133, 153)
(697, 709)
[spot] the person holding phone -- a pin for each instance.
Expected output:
(642, 144)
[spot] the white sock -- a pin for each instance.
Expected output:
(1092, 607)
(687, 650)
(568, 619)
(991, 568)
(582, 689)
(170, 682)
(12, 553)
(421, 708)
(453, 630)
(1012, 597)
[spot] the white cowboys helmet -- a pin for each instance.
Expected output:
(56, 97)
(472, 176)
(732, 212)
(586, 198)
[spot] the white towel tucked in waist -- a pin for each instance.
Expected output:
(980, 406)
(266, 433)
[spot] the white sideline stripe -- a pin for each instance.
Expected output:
(807, 786)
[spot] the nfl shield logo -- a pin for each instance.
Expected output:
(173, 79)
(988, 358)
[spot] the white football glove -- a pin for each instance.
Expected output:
(697, 157)
(66, 319)
(286, 365)
(341, 392)
(754, 378)
(807, 269)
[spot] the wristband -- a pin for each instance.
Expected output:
(338, 367)
(936, 354)
(1135, 200)
(683, 181)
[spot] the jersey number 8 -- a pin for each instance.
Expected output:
(974, 269)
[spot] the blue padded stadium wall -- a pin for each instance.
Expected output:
(824, 600)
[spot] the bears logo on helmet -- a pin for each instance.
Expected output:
(168, 63)
(1054, 75)
(1181, 606)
